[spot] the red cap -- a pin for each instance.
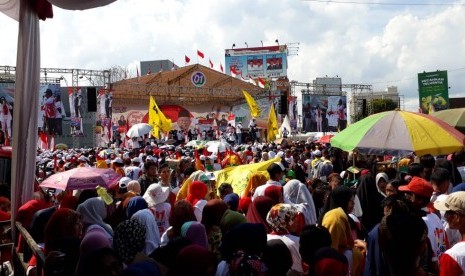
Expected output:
(418, 186)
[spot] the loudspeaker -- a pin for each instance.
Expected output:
(364, 107)
(91, 99)
(283, 105)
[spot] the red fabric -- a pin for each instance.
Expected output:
(275, 193)
(448, 266)
(28, 209)
(258, 210)
(4, 215)
(200, 54)
(44, 9)
(211, 63)
(221, 67)
(197, 191)
(187, 59)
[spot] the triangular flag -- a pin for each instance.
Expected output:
(200, 54)
(272, 130)
(187, 59)
(255, 110)
(261, 82)
(221, 68)
(211, 63)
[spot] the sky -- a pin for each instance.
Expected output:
(363, 42)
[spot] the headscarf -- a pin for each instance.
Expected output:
(213, 212)
(93, 211)
(152, 238)
(62, 225)
(370, 201)
(134, 186)
(297, 193)
(197, 191)
(329, 261)
(95, 238)
(232, 200)
(135, 204)
(274, 192)
(126, 197)
(69, 201)
(281, 216)
(28, 209)
(182, 212)
(129, 239)
(337, 223)
(256, 179)
(378, 177)
(230, 219)
(246, 264)
(195, 232)
(195, 260)
(258, 210)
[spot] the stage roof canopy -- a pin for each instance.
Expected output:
(177, 86)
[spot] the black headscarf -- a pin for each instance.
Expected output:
(370, 201)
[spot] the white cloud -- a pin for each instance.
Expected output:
(361, 43)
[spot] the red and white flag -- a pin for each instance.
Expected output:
(234, 72)
(200, 54)
(211, 63)
(137, 69)
(187, 59)
(221, 68)
(149, 72)
(261, 82)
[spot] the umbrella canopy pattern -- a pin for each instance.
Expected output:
(83, 178)
(138, 130)
(454, 117)
(400, 133)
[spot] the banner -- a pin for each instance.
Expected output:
(239, 176)
(433, 91)
(272, 130)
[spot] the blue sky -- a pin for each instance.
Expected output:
(362, 43)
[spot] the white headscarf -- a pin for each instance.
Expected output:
(298, 194)
(378, 177)
(152, 236)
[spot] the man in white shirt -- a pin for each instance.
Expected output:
(276, 172)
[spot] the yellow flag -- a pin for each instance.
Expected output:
(238, 176)
(272, 130)
(157, 119)
(255, 110)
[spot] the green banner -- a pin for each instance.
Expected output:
(433, 91)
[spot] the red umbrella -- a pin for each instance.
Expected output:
(83, 178)
(325, 139)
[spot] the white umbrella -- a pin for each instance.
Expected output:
(215, 146)
(195, 143)
(138, 130)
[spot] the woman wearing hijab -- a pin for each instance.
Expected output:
(93, 211)
(182, 212)
(156, 196)
(194, 260)
(152, 236)
(297, 193)
(195, 232)
(230, 219)
(381, 182)
(275, 193)
(129, 240)
(370, 200)
(196, 196)
(232, 200)
(283, 220)
(95, 239)
(135, 204)
(336, 220)
(258, 210)
(211, 218)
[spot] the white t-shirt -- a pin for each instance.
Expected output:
(436, 234)
(132, 172)
(162, 212)
(198, 209)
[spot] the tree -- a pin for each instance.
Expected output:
(381, 105)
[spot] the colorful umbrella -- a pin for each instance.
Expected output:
(325, 139)
(454, 117)
(400, 133)
(83, 178)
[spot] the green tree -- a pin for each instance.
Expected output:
(380, 105)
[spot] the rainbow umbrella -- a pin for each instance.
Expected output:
(400, 133)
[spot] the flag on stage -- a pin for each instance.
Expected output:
(187, 59)
(157, 119)
(211, 63)
(255, 110)
(221, 67)
(200, 54)
(272, 130)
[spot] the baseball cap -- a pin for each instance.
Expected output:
(118, 160)
(211, 176)
(317, 153)
(418, 186)
(454, 202)
(135, 160)
(123, 182)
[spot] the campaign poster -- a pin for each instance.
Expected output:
(315, 113)
(433, 91)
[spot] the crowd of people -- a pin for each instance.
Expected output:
(315, 211)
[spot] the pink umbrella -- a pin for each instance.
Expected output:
(83, 178)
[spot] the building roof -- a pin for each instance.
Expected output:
(174, 87)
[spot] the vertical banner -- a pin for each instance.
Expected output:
(433, 91)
